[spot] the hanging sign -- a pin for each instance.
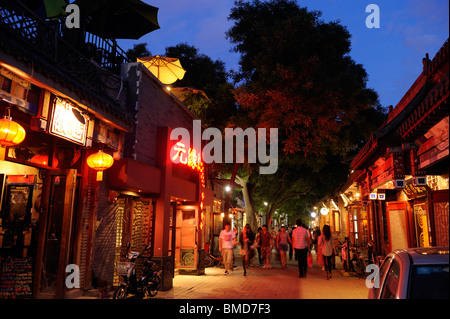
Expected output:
(68, 122)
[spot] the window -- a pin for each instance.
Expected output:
(429, 282)
(391, 282)
(382, 272)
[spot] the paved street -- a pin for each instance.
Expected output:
(275, 283)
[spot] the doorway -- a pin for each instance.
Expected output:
(55, 234)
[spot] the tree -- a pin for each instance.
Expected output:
(210, 76)
(296, 75)
(138, 51)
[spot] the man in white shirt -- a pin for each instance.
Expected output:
(301, 244)
(227, 240)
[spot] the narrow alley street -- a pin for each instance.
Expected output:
(274, 283)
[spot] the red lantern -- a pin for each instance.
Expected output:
(43, 160)
(100, 161)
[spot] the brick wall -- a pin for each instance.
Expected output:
(153, 107)
(105, 236)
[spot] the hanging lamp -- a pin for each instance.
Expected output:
(100, 161)
(11, 133)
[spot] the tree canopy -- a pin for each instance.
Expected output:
(296, 75)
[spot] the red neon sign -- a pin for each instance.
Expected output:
(192, 159)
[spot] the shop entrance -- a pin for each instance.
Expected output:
(185, 243)
(55, 233)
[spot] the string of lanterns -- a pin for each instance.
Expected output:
(12, 133)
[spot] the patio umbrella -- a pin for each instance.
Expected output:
(119, 19)
(167, 70)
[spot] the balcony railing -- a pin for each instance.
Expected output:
(74, 51)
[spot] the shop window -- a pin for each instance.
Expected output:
(34, 149)
(358, 225)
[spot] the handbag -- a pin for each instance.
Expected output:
(310, 260)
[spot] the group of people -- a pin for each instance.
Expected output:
(299, 241)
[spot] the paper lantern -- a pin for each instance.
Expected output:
(100, 161)
(43, 160)
(11, 133)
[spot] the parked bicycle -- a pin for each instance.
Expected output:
(212, 260)
(147, 286)
(357, 263)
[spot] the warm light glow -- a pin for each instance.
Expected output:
(100, 161)
(43, 160)
(324, 211)
(11, 133)
(68, 122)
(227, 188)
(313, 215)
(191, 158)
(222, 215)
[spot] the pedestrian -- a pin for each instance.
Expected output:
(326, 241)
(319, 259)
(345, 254)
(283, 239)
(246, 240)
(290, 245)
(258, 245)
(301, 243)
(266, 246)
(227, 240)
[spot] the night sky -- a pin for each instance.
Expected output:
(392, 54)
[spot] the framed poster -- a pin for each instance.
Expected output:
(18, 203)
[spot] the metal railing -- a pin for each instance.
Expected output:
(74, 51)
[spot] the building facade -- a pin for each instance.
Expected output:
(56, 216)
(69, 107)
(397, 195)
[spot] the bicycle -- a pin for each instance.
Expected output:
(212, 260)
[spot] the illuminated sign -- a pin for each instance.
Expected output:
(192, 159)
(68, 122)
(381, 196)
(373, 196)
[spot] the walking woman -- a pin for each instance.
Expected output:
(246, 240)
(327, 248)
(283, 239)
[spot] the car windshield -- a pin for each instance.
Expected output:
(429, 282)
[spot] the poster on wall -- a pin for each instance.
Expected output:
(18, 203)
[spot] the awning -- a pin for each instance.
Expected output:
(130, 175)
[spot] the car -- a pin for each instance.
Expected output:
(413, 273)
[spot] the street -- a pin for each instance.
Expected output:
(274, 283)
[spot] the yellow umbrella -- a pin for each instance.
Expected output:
(167, 70)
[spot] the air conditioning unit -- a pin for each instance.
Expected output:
(399, 183)
(420, 181)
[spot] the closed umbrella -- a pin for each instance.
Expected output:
(119, 19)
(167, 70)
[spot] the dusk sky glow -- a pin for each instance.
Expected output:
(392, 55)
